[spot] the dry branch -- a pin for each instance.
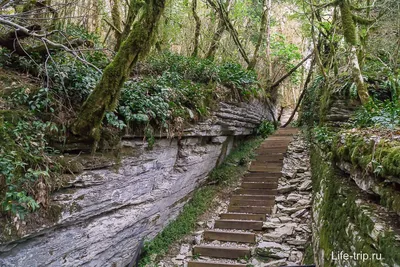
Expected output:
(284, 77)
(25, 32)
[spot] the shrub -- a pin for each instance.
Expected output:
(204, 71)
(159, 100)
(23, 163)
(323, 136)
(265, 129)
(378, 114)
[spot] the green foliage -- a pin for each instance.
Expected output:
(323, 136)
(181, 89)
(311, 103)
(381, 158)
(229, 171)
(75, 31)
(378, 114)
(308, 255)
(39, 101)
(23, 162)
(72, 80)
(286, 53)
(265, 129)
(205, 71)
(159, 100)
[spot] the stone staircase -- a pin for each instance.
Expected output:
(236, 230)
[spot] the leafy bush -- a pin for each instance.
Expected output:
(23, 163)
(72, 80)
(159, 100)
(205, 71)
(311, 103)
(378, 114)
(265, 129)
(323, 135)
(39, 101)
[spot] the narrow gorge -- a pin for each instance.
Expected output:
(199, 133)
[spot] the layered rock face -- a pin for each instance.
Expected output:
(110, 207)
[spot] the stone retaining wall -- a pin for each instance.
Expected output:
(347, 220)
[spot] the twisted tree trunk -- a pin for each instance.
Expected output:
(263, 27)
(197, 31)
(215, 40)
(223, 14)
(105, 95)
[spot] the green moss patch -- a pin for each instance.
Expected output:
(344, 224)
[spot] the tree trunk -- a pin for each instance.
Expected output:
(263, 27)
(116, 19)
(197, 31)
(220, 9)
(290, 72)
(105, 95)
(134, 7)
(268, 60)
(362, 90)
(215, 40)
(308, 79)
(351, 38)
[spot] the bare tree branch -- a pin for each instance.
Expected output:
(22, 31)
(284, 77)
(220, 9)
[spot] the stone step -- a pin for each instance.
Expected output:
(268, 198)
(260, 179)
(273, 145)
(272, 149)
(250, 209)
(243, 216)
(230, 236)
(266, 159)
(262, 155)
(213, 264)
(275, 154)
(222, 252)
(256, 192)
(264, 164)
(263, 175)
(239, 225)
(260, 185)
(264, 169)
(252, 202)
(277, 141)
(271, 152)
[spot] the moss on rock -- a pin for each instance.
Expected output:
(344, 223)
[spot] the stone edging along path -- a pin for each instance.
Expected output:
(267, 221)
